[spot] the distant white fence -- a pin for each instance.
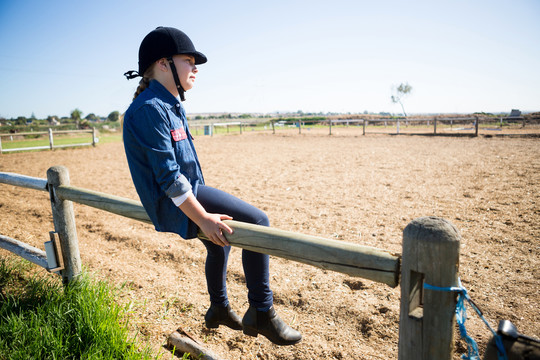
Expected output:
(51, 134)
(444, 126)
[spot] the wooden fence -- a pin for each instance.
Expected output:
(430, 255)
(51, 139)
(472, 128)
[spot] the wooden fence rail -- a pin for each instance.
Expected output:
(473, 130)
(430, 250)
(51, 139)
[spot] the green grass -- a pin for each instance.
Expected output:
(42, 319)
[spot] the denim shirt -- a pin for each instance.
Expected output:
(161, 157)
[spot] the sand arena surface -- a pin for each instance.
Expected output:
(359, 189)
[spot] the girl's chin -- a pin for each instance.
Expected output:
(187, 86)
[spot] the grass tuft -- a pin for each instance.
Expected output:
(42, 319)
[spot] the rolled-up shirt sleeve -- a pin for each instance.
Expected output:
(179, 187)
(179, 200)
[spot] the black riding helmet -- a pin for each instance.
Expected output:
(165, 42)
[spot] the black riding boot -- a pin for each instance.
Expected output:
(269, 325)
(218, 315)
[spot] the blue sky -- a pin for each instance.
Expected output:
(285, 55)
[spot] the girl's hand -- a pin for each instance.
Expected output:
(212, 226)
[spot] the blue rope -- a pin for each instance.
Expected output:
(461, 317)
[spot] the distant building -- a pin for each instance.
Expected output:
(515, 113)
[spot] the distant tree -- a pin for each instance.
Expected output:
(91, 117)
(399, 93)
(114, 116)
(21, 120)
(76, 114)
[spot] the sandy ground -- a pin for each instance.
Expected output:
(359, 189)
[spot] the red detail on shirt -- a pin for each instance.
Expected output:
(178, 134)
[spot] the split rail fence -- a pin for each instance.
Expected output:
(51, 134)
(469, 126)
(430, 255)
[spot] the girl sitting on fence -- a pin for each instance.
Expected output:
(168, 179)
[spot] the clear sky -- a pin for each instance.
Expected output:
(459, 56)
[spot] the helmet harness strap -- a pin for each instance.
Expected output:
(176, 79)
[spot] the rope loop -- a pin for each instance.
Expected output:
(461, 317)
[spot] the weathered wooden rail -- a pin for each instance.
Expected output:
(430, 254)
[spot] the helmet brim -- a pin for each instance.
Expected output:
(200, 58)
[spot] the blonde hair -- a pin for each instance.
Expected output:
(145, 81)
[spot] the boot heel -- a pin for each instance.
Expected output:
(251, 332)
(212, 325)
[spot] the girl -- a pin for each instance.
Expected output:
(168, 179)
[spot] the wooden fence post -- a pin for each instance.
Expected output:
(435, 125)
(427, 317)
(51, 142)
(330, 131)
(64, 223)
(94, 137)
(476, 125)
(364, 126)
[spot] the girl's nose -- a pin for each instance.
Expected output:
(195, 70)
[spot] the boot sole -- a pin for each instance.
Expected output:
(212, 325)
(216, 325)
(251, 332)
(255, 333)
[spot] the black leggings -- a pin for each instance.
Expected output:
(256, 265)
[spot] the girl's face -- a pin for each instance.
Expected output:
(185, 65)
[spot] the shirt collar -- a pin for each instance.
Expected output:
(164, 94)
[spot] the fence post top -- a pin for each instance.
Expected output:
(432, 228)
(58, 175)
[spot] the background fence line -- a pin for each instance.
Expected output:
(51, 139)
(431, 247)
(274, 124)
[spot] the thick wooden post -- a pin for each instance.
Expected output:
(476, 125)
(435, 125)
(364, 125)
(64, 223)
(427, 318)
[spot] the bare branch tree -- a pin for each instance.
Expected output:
(399, 93)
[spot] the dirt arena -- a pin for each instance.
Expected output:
(359, 189)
